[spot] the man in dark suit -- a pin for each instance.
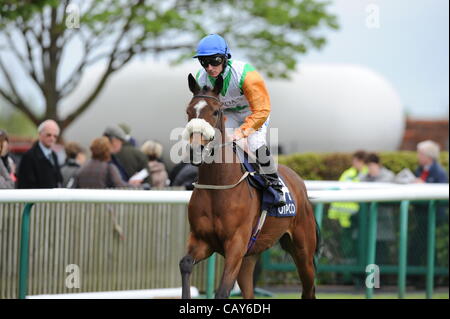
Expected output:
(39, 165)
(429, 170)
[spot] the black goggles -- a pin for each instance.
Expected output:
(214, 60)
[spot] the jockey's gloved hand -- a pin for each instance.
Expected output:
(237, 135)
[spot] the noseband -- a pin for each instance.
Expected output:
(208, 149)
(219, 120)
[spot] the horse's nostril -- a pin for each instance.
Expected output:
(196, 138)
(195, 154)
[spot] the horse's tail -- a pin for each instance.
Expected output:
(318, 249)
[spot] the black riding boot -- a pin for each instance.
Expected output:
(269, 173)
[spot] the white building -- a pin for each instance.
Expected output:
(324, 108)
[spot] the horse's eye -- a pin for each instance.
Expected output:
(216, 113)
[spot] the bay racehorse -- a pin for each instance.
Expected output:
(222, 220)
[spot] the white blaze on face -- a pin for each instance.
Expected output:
(199, 106)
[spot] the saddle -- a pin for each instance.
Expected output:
(269, 195)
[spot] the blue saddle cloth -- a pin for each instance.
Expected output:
(270, 196)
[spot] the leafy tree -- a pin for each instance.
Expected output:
(16, 123)
(24, 9)
(273, 34)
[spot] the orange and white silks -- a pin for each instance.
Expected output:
(244, 96)
(258, 97)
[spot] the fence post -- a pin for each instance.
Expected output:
(24, 251)
(431, 241)
(372, 241)
(210, 279)
(362, 235)
(403, 248)
(318, 212)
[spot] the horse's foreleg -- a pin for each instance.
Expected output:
(234, 254)
(186, 265)
(197, 251)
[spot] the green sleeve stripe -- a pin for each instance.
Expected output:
(237, 108)
(247, 68)
(226, 80)
(226, 83)
(212, 80)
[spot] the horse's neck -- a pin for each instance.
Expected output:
(228, 170)
(223, 173)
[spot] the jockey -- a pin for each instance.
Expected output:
(245, 101)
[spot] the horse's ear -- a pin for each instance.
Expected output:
(193, 85)
(218, 85)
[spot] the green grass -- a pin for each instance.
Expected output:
(358, 296)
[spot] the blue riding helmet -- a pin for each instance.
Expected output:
(212, 44)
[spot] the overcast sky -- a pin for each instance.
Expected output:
(406, 41)
(409, 47)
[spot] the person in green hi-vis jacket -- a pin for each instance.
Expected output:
(342, 211)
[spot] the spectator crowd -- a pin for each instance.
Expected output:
(114, 161)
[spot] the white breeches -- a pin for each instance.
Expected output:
(254, 140)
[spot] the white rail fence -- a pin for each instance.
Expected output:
(88, 227)
(318, 192)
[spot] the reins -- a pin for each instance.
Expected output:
(262, 217)
(207, 148)
(204, 186)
